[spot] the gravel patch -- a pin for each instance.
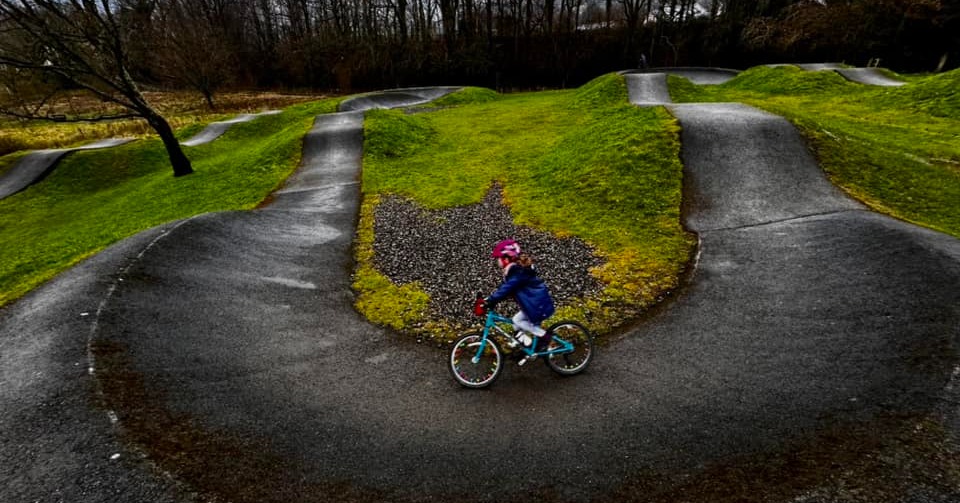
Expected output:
(448, 252)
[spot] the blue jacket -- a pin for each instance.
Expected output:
(528, 290)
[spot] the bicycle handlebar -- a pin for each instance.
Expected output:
(480, 305)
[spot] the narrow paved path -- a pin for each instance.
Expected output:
(814, 340)
(215, 130)
(393, 98)
(55, 442)
(36, 165)
(648, 89)
(816, 67)
(694, 74)
(817, 299)
(868, 76)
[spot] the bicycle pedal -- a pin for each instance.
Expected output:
(526, 359)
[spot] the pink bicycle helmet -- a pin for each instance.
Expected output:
(506, 248)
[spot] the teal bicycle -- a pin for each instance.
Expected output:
(477, 358)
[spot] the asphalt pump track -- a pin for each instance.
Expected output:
(38, 164)
(226, 361)
(217, 129)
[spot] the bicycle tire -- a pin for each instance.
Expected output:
(475, 375)
(568, 364)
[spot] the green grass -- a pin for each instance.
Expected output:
(896, 149)
(96, 198)
(582, 163)
(465, 96)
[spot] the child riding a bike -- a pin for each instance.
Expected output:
(566, 346)
(521, 282)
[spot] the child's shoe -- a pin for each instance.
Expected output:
(524, 339)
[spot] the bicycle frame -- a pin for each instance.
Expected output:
(493, 325)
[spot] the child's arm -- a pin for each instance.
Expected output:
(506, 289)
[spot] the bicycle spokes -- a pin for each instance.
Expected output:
(474, 362)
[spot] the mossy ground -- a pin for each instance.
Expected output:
(579, 163)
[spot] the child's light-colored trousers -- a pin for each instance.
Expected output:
(521, 322)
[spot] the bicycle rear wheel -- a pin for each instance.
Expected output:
(471, 367)
(581, 342)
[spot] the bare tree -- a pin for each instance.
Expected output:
(635, 14)
(194, 49)
(448, 13)
(82, 44)
(25, 94)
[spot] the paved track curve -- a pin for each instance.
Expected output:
(392, 98)
(868, 76)
(697, 75)
(648, 89)
(215, 130)
(228, 351)
(36, 165)
(816, 67)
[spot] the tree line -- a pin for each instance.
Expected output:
(116, 48)
(365, 44)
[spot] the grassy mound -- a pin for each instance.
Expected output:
(762, 81)
(602, 92)
(937, 95)
(787, 80)
(895, 149)
(581, 162)
(392, 134)
(465, 96)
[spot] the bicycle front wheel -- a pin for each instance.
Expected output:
(472, 366)
(580, 343)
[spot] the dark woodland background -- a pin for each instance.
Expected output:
(353, 45)
(114, 50)
(525, 44)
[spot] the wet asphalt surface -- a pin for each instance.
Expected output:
(869, 76)
(36, 165)
(219, 358)
(215, 130)
(697, 75)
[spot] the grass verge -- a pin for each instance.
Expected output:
(95, 198)
(582, 163)
(895, 149)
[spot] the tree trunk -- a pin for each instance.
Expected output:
(548, 7)
(448, 19)
(401, 12)
(179, 161)
(208, 97)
